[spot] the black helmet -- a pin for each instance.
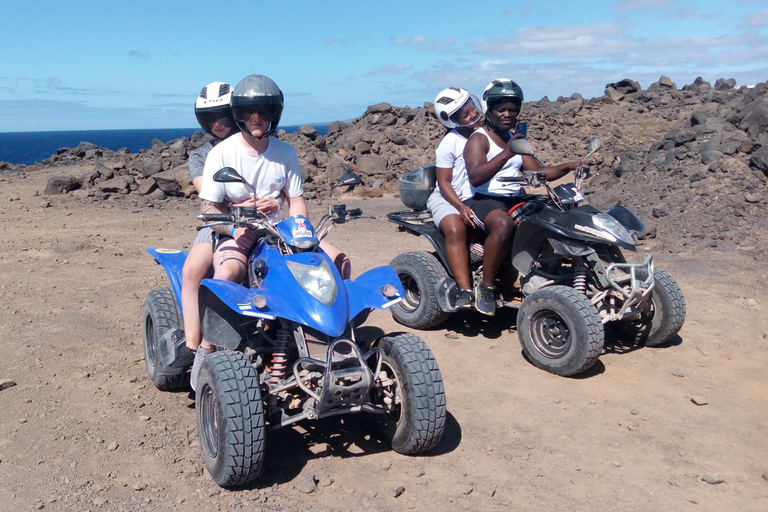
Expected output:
(213, 105)
(257, 92)
(501, 89)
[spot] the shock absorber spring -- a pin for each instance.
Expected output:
(580, 278)
(280, 356)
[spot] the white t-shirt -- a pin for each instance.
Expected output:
(275, 170)
(450, 155)
(493, 187)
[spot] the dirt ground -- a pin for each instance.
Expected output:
(84, 429)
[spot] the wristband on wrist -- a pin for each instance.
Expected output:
(279, 201)
(232, 233)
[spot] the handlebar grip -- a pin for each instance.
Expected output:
(355, 212)
(214, 217)
(510, 179)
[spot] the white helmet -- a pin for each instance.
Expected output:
(448, 103)
(213, 105)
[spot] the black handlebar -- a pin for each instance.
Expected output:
(215, 217)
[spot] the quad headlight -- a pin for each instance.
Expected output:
(317, 280)
(612, 226)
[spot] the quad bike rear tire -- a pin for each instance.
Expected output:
(160, 314)
(560, 330)
(230, 418)
(412, 392)
(662, 318)
(419, 273)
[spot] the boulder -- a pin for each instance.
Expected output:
(167, 182)
(371, 165)
(115, 185)
(151, 168)
(59, 184)
(308, 131)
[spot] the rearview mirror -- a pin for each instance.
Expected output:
(348, 179)
(594, 145)
(521, 147)
(228, 175)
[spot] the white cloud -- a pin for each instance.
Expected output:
(758, 19)
(343, 41)
(560, 42)
(687, 13)
(424, 44)
(390, 69)
(631, 5)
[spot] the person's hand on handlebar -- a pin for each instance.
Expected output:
(267, 206)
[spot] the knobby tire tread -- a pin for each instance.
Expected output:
(676, 303)
(427, 266)
(426, 382)
(166, 315)
(594, 330)
(244, 418)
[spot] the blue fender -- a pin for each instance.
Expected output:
(172, 260)
(285, 298)
(365, 292)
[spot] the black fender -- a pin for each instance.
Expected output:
(627, 219)
(529, 237)
(219, 324)
(429, 231)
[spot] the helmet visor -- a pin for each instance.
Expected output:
(466, 116)
(267, 112)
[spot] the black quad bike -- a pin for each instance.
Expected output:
(565, 272)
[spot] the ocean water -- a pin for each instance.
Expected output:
(30, 147)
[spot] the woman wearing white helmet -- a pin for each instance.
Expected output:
(454, 108)
(214, 115)
(487, 157)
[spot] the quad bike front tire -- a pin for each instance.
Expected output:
(661, 319)
(410, 387)
(419, 273)
(230, 418)
(560, 330)
(160, 314)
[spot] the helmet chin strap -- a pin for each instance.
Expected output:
(267, 133)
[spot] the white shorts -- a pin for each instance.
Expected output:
(439, 207)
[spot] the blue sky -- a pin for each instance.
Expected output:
(140, 64)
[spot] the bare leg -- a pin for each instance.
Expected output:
(499, 226)
(455, 232)
(196, 267)
(339, 259)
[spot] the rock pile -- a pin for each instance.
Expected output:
(691, 162)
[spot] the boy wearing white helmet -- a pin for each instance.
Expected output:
(457, 112)
(487, 157)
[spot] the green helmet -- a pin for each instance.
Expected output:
(501, 89)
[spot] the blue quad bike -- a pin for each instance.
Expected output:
(565, 272)
(287, 348)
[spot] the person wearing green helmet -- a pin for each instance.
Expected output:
(487, 158)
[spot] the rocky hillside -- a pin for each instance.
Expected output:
(692, 162)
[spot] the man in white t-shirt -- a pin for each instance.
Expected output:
(270, 166)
